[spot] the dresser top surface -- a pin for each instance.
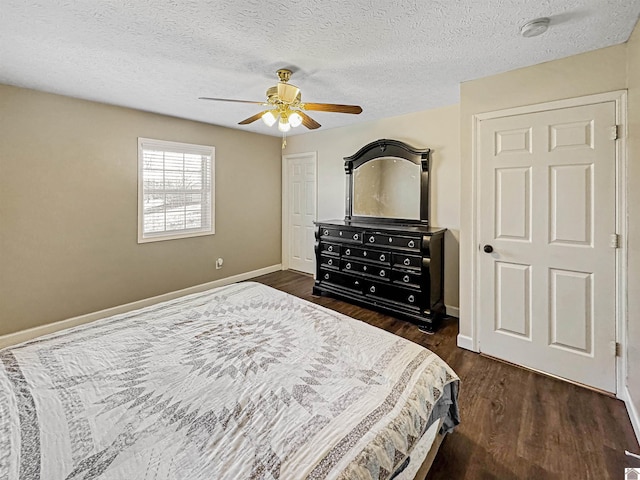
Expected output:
(394, 227)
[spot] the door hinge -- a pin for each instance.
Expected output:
(616, 349)
(615, 132)
(614, 240)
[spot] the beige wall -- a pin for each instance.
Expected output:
(68, 208)
(633, 245)
(437, 129)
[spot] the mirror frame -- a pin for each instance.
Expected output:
(395, 149)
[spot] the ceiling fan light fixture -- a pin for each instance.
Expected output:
(535, 27)
(269, 118)
(283, 125)
(295, 120)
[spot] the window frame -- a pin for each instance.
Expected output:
(177, 147)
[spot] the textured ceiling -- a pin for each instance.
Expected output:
(390, 57)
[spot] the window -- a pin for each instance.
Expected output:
(175, 190)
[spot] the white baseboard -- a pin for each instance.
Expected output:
(31, 333)
(634, 415)
(452, 311)
(465, 342)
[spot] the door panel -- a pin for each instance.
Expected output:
(571, 297)
(571, 215)
(513, 203)
(513, 299)
(547, 207)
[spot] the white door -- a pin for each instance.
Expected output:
(299, 211)
(547, 209)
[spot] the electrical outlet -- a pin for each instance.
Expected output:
(219, 263)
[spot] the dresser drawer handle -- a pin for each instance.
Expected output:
(330, 248)
(330, 261)
(406, 279)
(372, 289)
(340, 233)
(382, 273)
(412, 244)
(411, 298)
(364, 268)
(325, 232)
(390, 240)
(356, 236)
(348, 252)
(372, 239)
(348, 266)
(407, 261)
(326, 276)
(356, 282)
(364, 254)
(382, 258)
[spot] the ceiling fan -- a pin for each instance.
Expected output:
(286, 107)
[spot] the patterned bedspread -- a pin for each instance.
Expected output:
(239, 382)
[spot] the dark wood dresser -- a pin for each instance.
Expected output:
(394, 267)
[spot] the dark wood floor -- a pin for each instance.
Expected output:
(516, 424)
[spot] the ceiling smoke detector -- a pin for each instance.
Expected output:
(535, 27)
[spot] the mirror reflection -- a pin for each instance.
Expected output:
(387, 187)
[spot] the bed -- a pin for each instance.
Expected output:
(238, 382)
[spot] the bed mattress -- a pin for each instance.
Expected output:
(239, 382)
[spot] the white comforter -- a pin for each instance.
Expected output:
(240, 382)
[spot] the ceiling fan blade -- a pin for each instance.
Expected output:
(331, 107)
(308, 122)
(251, 119)
(231, 100)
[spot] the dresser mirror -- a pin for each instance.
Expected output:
(388, 181)
(387, 187)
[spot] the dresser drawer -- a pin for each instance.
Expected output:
(342, 280)
(341, 234)
(330, 248)
(329, 261)
(347, 265)
(410, 279)
(407, 261)
(410, 298)
(412, 243)
(367, 254)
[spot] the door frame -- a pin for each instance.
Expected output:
(620, 99)
(285, 203)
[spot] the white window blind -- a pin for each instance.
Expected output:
(175, 190)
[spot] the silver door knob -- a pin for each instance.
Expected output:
(330, 248)
(406, 279)
(487, 249)
(356, 236)
(382, 273)
(326, 276)
(348, 266)
(330, 262)
(406, 261)
(411, 298)
(372, 289)
(372, 239)
(382, 258)
(411, 244)
(348, 252)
